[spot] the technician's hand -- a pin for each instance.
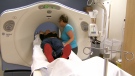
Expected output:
(64, 44)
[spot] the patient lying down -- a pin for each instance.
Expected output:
(52, 46)
(74, 66)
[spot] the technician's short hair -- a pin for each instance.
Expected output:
(64, 18)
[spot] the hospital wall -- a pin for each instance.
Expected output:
(117, 20)
(117, 16)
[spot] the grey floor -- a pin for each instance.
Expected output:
(1, 72)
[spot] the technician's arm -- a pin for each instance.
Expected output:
(71, 36)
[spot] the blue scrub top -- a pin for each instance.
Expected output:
(65, 37)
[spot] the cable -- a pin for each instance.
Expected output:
(126, 53)
(84, 51)
(89, 3)
(113, 51)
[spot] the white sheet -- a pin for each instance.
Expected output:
(72, 67)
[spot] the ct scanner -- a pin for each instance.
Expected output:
(17, 27)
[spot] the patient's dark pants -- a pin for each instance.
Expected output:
(56, 45)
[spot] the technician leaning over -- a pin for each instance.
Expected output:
(68, 34)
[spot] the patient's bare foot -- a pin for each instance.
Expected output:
(66, 51)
